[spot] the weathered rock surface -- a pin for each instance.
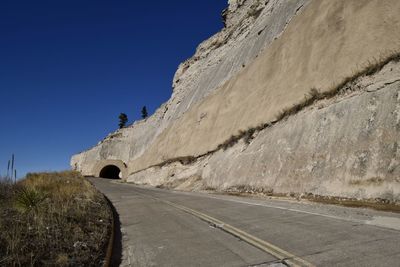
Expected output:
(269, 56)
(347, 146)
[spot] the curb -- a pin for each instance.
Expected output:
(109, 252)
(110, 244)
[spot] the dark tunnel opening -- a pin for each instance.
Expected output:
(111, 172)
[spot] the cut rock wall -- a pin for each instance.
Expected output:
(348, 146)
(326, 42)
(269, 55)
(216, 61)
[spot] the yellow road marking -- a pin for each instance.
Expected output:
(282, 255)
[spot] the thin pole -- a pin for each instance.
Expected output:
(12, 165)
(8, 169)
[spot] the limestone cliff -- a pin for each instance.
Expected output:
(242, 112)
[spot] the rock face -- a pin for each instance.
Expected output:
(267, 58)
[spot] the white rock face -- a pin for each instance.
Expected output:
(216, 61)
(347, 146)
(269, 55)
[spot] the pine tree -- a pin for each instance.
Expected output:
(123, 119)
(144, 112)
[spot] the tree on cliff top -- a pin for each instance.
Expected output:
(144, 112)
(123, 119)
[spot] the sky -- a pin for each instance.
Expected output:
(68, 68)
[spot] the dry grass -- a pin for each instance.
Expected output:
(243, 189)
(183, 160)
(367, 182)
(53, 219)
(247, 136)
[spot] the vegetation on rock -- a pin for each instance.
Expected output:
(145, 114)
(123, 119)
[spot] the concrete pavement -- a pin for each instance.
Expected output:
(158, 232)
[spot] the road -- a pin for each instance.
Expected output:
(170, 228)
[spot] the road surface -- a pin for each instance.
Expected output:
(170, 228)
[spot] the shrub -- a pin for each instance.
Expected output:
(123, 119)
(28, 199)
(144, 112)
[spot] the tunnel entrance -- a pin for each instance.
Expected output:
(111, 172)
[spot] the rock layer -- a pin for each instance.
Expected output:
(268, 57)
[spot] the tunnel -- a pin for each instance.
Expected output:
(111, 172)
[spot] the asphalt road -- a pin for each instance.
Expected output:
(169, 228)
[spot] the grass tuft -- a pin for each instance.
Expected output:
(28, 199)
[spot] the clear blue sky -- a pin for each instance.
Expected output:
(68, 68)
